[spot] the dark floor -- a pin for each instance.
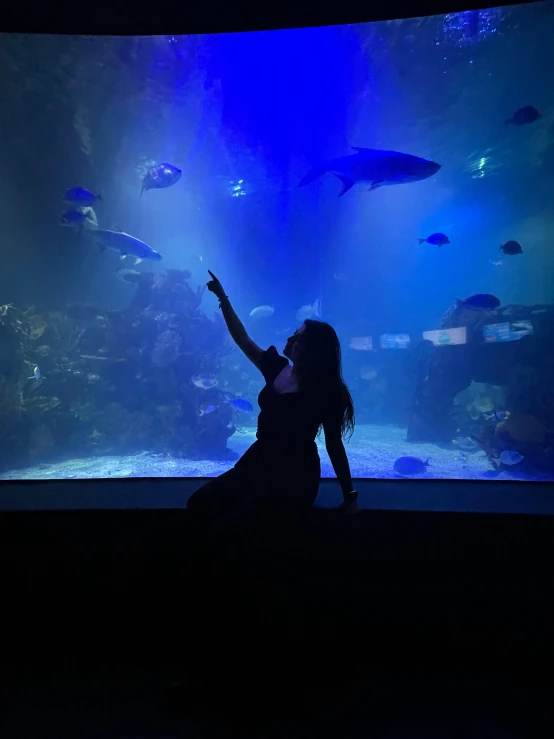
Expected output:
(136, 708)
(390, 625)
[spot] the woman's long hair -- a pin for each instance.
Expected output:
(318, 368)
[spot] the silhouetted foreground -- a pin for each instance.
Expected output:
(381, 618)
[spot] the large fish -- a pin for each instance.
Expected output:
(377, 167)
(125, 244)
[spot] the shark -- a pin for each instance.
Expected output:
(376, 166)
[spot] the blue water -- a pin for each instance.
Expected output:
(371, 453)
(245, 117)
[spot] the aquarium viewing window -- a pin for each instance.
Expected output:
(447, 336)
(507, 331)
(361, 343)
(390, 178)
(394, 341)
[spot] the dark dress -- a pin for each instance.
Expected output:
(280, 471)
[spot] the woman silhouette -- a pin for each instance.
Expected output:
(281, 470)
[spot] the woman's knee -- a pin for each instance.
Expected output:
(197, 502)
(213, 496)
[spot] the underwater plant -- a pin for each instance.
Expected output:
(82, 380)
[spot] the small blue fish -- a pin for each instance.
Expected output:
(497, 416)
(523, 116)
(160, 176)
(262, 311)
(203, 411)
(72, 218)
(36, 374)
(509, 457)
(80, 197)
(242, 405)
(437, 239)
(511, 248)
(408, 466)
(480, 302)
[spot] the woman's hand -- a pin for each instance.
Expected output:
(215, 286)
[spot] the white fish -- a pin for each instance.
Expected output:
(262, 311)
(90, 221)
(205, 382)
(510, 457)
(36, 374)
(125, 244)
(309, 311)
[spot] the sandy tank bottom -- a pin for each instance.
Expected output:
(372, 452)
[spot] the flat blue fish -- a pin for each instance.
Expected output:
(510, 457)
(497, 416)
(242, 405)
(438, 239)
(80, 196)
(523, 116)
(160, 176)
(205, 410)
(408, 466)
(125, 244)
(376, 166)
(480, 302)
(511, 248)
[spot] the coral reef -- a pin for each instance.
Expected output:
(87, 382)
(463, 384)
